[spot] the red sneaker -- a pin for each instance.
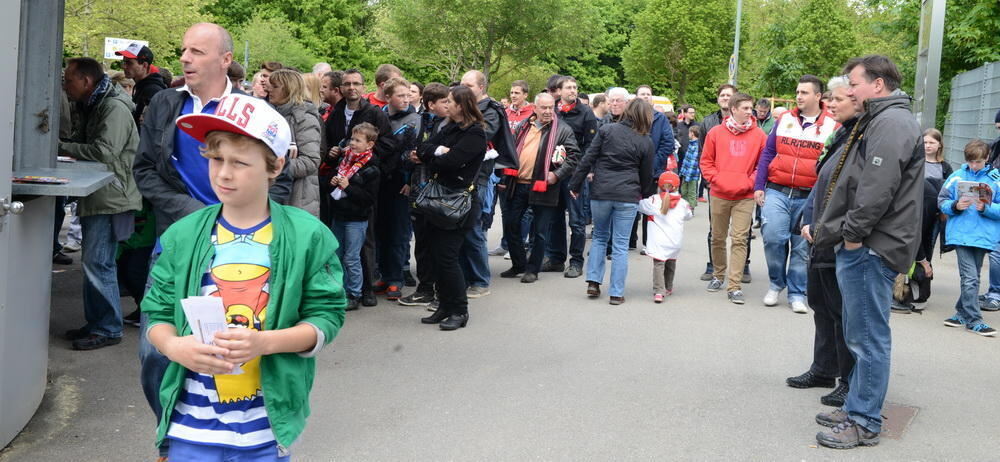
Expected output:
(393, 293)
(702, 199)
(380, 287)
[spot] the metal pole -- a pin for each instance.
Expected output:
(734, 60)
(933, 74)
(246, 56)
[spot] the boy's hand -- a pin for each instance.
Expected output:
(335, 152)
(963, 203)
(405, 190)
(243, 344)
(198, 357)
(980, 206)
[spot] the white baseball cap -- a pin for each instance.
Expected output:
(243, 115)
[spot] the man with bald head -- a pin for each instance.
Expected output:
(474, 256)
(169, 169)
(547, 154)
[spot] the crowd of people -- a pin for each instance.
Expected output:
(241, 190)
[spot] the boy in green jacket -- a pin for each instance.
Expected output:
(275, 269)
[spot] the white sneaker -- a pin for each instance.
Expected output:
(506, 256)
(771, 298)
(72, 246)
(800, 307)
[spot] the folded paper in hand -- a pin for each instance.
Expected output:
(206, 316)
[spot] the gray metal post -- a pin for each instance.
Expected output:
(734, 62)
(929, 61)
(246, 56)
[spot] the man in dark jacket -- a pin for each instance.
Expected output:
(500, 154)
(169, 169)
(580, 118)
(352, 110)
(685, 120)
(137, 63)
(873, 216)
(547, 155)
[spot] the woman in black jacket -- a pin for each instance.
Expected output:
(453, 157)
(621, 159)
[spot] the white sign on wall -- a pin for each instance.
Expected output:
(112, 44)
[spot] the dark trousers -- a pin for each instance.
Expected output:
(392, 235)
(556, 248)
(369, 263)
(831, 358)
(133, 270)
(445, 245)
(633, 240)
(422, 236)
(516, 207)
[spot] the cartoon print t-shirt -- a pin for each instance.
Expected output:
(228, 410)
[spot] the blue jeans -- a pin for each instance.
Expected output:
(101, 300)
(351, 238)
(970, 263)
(474, 257)
(152, 363)
(994, 291)
(866, 285)
(612, 220)
(392, 236)
(555, 250)
(783, 269)
(182, 451)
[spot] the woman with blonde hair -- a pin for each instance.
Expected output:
(311, 89)
(285, 91)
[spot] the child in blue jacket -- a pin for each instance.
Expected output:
(971, 199)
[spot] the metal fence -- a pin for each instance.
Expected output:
(975, 99)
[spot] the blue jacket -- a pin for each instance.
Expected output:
(662, 135)
(971, 227)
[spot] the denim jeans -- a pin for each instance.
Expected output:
(784, 269)
(152, 363)
(474, 257)
(101, 301)
(182, 451)
(351, 237)
(994, 291)
(970, 263)
(555, 250)
(612, 220)
(866, 285)
(392, 236)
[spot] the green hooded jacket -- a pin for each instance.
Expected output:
(306, 286)
(107, 134)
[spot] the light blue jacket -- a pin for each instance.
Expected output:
(971, 227)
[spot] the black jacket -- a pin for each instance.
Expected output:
(362, 190)
(622, 163)
(144, 92)
(564, 138)
(681, 134)
(459, 167)
(336, 133)
(155, 174)
(495, 117)
(583, 122)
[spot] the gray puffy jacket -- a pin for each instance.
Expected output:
(305, 123)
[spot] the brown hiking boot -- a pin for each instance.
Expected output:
(832, 418)
(847, 435)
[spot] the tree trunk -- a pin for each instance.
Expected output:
(682, 91)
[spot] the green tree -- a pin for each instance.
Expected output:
(680, 46)
(270, 39)
(452, 36)
(335, 30)
(162, 24)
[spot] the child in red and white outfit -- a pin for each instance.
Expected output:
(667, 212)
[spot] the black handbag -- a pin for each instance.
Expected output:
(443, 206)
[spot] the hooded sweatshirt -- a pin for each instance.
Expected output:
(729, 161)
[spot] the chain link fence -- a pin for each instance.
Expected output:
(975, 99)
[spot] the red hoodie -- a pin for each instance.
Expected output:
(729, 162)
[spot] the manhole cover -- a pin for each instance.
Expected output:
(896, 419)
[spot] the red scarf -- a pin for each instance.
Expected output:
(567, 107)
(736, 128)
(541, 185)
(674, 198)
(351, 162)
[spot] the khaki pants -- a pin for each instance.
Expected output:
(732, 218)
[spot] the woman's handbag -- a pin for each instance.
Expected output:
(443, 206)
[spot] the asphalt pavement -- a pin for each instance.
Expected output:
(544, 373)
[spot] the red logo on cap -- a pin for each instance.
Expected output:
(227, 109)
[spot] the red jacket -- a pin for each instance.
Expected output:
(729, 162)
(516, 115)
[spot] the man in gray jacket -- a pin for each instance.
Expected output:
(872, 217)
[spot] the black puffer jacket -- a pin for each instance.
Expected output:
(144, 92)
(622, 163)
(362, 189)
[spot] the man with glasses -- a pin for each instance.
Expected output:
(351, 110)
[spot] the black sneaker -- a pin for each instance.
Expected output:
(433, 305)
(132, 318)
(94, 341)
(368, 299)
(837, 396)
(60, 258)
(549, 267)
(810, 380)
(76, 334)
(512, 273)
(352, 304)
(417, 299)
(408, 279)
